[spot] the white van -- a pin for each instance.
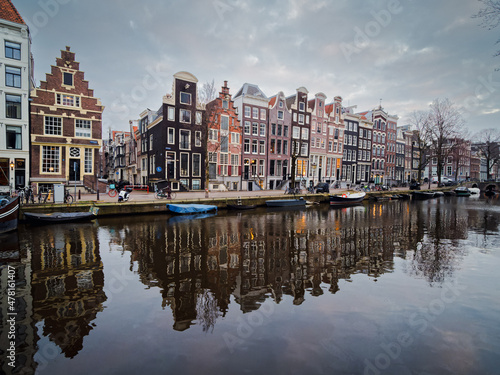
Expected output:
(444, 180)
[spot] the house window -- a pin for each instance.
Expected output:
(213, 135)
(50, 159)
(261, 167)
(281, 104)
(170, 136)
(197, 139)
(12, 50)
(13, 106)
(295, 132)
(53, 125)
(254, 146)
(88, 160)
(224, 123)
(301, 119)
(255, 113)
(185, 98)
(278, 146)
(68, 100)
(303, 149)
(280, 115)
(184, 164)
(247, 111)
(83, 128)
(199, 118)
(196, 184)
(12, 76)
(13, 135)
(184, 139)
(273, 129)
(196, 165)
(302, 106)
(171, 114)
(247, 127)
(262, 114)
(224, 145)
(151, 141)
(185, 116)
(305, 133)
(246, 146)
(225, 104)
(285, 147)
(67, 79)
(285, 131)
(255, 128)
(235, 138)
(262, 147)
(262, 129)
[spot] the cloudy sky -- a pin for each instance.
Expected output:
(406, 53)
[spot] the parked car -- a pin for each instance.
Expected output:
(322, 187)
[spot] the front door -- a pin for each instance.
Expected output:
(74, 169)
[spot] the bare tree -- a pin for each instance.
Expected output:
(420, 122)
(459, 154)
(488, 144)
(208, 92)
(446, 125)
(490, 16)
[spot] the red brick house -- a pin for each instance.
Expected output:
(66, 127)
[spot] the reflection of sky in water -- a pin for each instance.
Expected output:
(397, 287)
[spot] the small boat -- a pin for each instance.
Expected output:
(438, 194)
(286, 203)
(475, 191)
(9, 214)
(61, 217)
(347, 198)
(422, 195)
(450, 193)
(191, 208)
(462, 191)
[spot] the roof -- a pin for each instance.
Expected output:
(250, 89)
(9, 12)
(272, 101)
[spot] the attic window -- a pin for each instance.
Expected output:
(68, 79)
(301, 106)
(185, 98)
(281, 104)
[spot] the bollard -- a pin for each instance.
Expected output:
(79, 195)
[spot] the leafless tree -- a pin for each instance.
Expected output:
(488, 144)
(446, 125)
(207, 310)
(208, 92)
(420, 122)
(490, 16)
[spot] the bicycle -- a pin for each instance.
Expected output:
(68, 198)
(42, 197)
(112, 191)
(165, 193)
(291, 190)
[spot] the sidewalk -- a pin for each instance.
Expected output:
(142, 196)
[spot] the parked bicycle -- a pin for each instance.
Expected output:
(68, 198)
(43, 197)
(165, 193)
(291, 190)
(113, 192)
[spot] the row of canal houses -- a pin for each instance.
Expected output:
(250, 142)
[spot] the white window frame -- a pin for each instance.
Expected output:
(83, 132)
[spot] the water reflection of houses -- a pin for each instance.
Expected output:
(67, 283)
(19, 260)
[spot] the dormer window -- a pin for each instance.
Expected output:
(302, 106)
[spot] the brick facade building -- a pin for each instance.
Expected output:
(66, 127)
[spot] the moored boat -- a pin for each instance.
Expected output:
(61, 217)
(347, 198)
(422, 195)
(191, 208)
(286, 202)
(462, 191)
(475, 191)
(9, 214)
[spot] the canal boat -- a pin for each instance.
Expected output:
(286, 203)
(422, 195)
(191, 208)
(462, 191)
(61, 217)
(474, 191)
(347, 199)
(9, 214)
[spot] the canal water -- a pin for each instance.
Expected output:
(393, 287)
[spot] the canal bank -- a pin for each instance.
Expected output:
(148, 204)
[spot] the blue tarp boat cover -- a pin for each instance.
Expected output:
(191, 208)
